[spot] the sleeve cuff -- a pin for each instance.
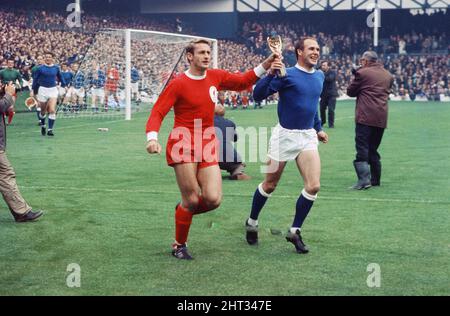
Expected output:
(152, 136)
(259, 71)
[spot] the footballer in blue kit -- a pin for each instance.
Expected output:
(295, 137)
(45, 80)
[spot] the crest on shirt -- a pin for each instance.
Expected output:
(213, 94)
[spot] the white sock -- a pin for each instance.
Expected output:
(294, 229)
(252, 222)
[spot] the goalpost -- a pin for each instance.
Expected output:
(135, 65)
(132, 34)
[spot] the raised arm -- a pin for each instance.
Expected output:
(266, 87)
(355, 85)
(239, 82)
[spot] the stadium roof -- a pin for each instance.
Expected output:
(204, 6)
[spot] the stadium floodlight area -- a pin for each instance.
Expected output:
(136, 65)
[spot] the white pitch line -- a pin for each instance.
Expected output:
(322, 197)
(93, 124)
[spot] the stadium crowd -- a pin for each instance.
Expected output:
(25, 35)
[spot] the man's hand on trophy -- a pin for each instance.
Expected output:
(276, 67)
(269, 60)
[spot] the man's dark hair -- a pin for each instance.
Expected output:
(301, 44)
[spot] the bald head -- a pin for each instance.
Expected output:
(370, 56)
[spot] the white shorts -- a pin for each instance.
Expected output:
(44, 94)
(75, 92)
(61, 91)
(98, 92)
(134, 87)
(287, 144)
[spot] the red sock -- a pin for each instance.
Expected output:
(201, 207)
(183, 220)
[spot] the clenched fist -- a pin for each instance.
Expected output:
(153, 147)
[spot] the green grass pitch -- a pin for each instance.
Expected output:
(109, 208)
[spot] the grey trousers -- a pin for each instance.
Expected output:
(8, 187)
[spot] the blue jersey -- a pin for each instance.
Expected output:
(134, 75)
(100, 81)
(46, 76)
(79, 80)
(67, 75)
(299, 94)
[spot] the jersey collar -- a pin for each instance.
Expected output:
(193, 77)
(304, 70)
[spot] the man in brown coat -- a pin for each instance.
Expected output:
(371, 86)
(19, 208)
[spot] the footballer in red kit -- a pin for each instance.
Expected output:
(191, 147)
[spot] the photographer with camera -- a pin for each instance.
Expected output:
(17, 205)
(371, 86)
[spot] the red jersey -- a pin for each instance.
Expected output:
(112, 79)
(194, 99)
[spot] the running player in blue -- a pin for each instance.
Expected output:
(46, 75)
(295, 137)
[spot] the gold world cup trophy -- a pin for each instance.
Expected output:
(276, 45)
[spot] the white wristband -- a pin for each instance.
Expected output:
(259, 71)
(152, 136)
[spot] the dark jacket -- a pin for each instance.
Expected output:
(227, 128)
(5, 102)
(329, 85)
(371, 87)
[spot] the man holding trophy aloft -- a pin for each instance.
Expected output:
(297, 134)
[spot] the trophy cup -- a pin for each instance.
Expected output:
(276, 45)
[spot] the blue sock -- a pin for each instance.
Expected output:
(50, 123)
(258, 202)
(304, 204)
(42, 118)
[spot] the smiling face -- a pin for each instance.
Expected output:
(309, 55)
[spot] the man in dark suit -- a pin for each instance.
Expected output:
(229, 159)
(328, 95)
(371, 86)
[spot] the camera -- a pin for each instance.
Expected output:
(355, 68)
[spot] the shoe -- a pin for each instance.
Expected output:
(251, 234)
(296, 240)
(50, 133)
(43, 130)
(181, 252)
(27, 217)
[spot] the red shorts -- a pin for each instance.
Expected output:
(182, 149)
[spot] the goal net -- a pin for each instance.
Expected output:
(124, 71)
